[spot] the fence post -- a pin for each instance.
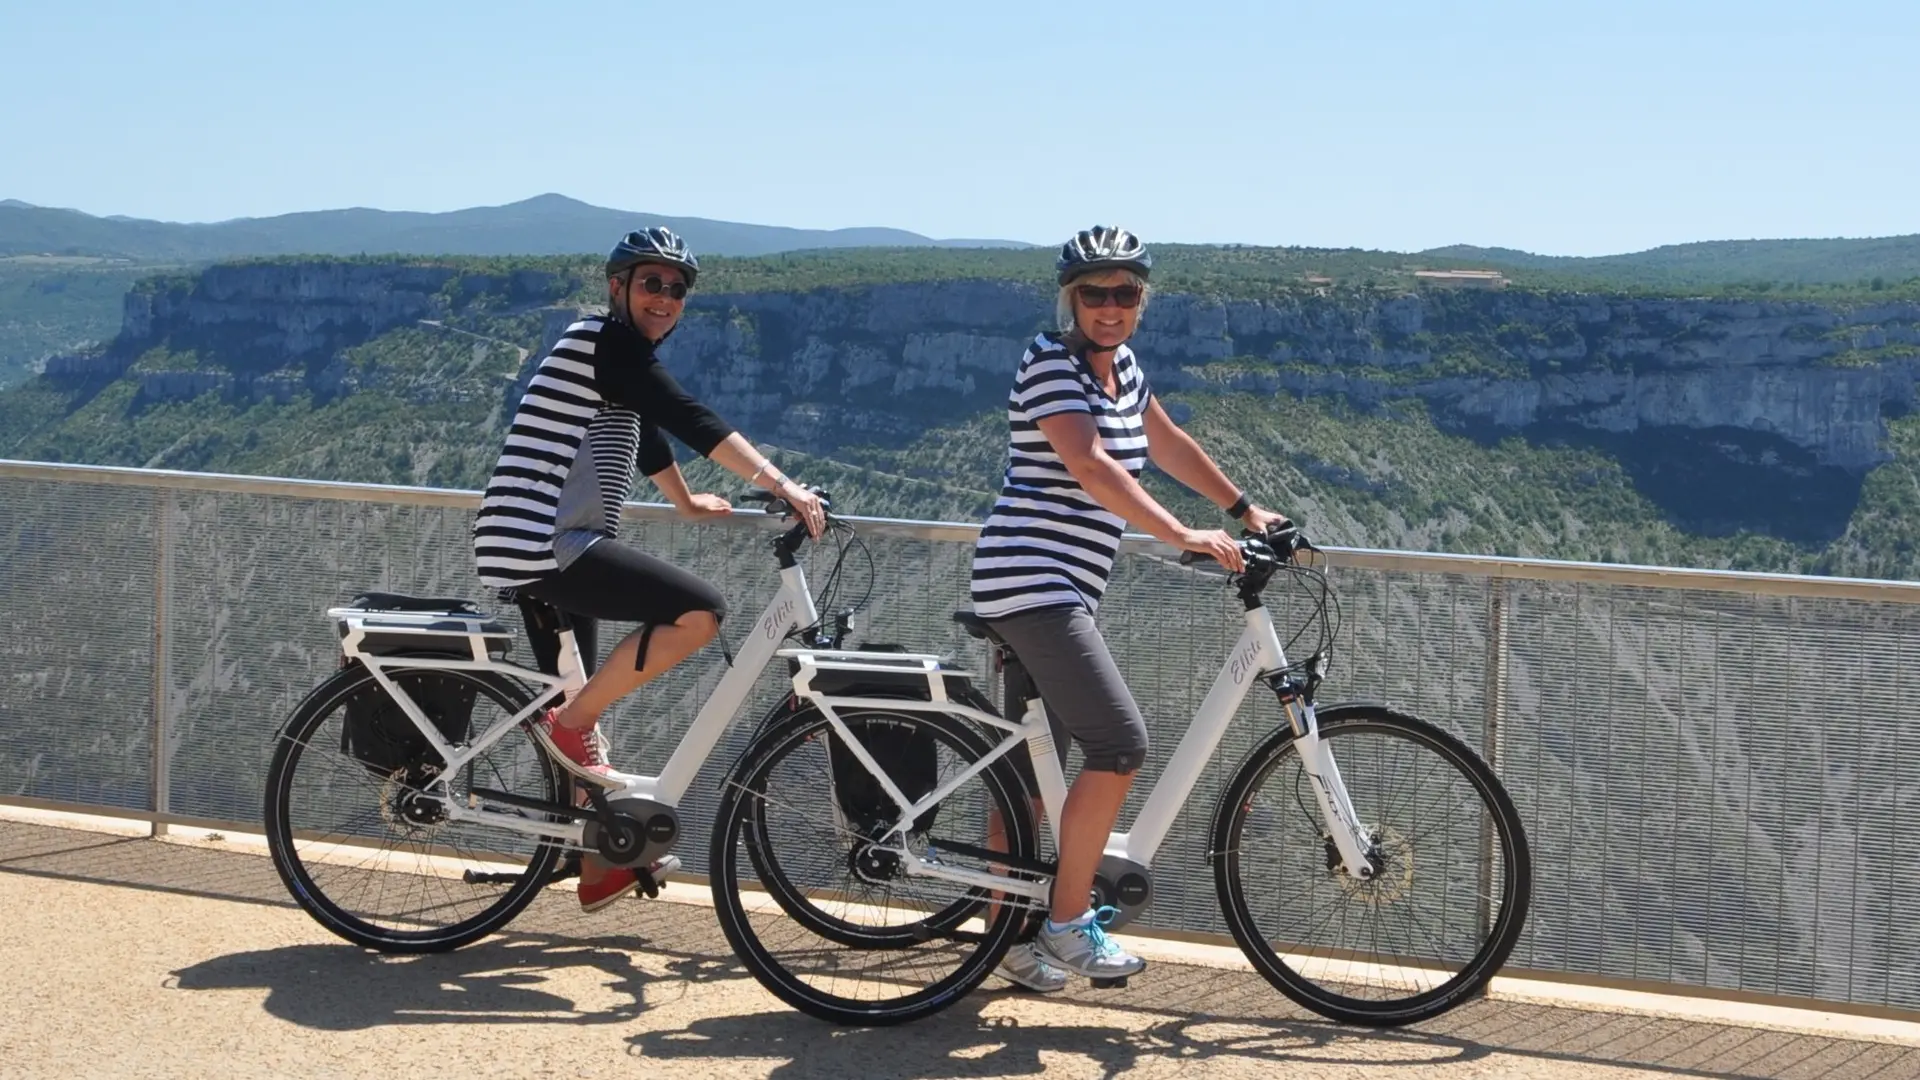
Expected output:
(163, 559)
(1494, 694)
(1496, 671)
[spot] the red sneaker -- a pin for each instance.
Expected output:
(617, 883)
(620, 881)
(582, 753)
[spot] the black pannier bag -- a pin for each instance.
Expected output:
(908, 752)
(377, 734)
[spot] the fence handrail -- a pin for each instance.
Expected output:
(1483, 566)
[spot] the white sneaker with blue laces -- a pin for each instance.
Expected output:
(1024, 966)
(1083, 947)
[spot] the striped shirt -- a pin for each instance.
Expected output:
(1048, 543)
(591, 418)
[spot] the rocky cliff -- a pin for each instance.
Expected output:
(827, 368)
(852, 364)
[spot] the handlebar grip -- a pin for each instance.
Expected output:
(757, 495)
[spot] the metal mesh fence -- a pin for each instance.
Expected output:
(1716, 788)
(1716, 784)
(77, 641)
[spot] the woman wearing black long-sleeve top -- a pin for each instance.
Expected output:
(595, 415)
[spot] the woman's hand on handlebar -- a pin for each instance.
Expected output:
(1215, 544)
(806, 506)
(1263, 522)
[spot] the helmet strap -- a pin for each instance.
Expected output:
(617, 309)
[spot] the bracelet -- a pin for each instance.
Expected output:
(1240, 507)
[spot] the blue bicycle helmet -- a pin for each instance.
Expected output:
(1103, 247)
(657, 245)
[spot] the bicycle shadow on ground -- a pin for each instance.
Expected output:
(513, 978)
(977, 1038)
(1234, 1019)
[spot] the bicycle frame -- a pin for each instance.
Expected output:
(1256, 654)
(790, 608)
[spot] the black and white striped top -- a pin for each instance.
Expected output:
(1048, 543)
(602, 394)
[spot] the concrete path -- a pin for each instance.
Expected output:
(129, 957)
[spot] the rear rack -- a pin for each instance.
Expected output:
(847, 667)
(366, 632)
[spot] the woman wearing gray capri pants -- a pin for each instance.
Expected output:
(1083, 423)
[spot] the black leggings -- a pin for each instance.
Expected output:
(611, 581)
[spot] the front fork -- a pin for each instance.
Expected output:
(1336, 807)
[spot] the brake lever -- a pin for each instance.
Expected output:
(1286, 541)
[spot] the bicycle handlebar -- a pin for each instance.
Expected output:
(780, 507)
(1278, 546)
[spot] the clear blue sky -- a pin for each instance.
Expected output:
(1558, 126)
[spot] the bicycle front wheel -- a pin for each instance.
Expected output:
(833, 923)
(1452, 874)
(372, 855)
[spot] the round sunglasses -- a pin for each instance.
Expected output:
(1094, 296)
(656, 285)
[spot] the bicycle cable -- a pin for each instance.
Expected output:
(828, 596)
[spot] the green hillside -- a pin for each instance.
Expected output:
(56, 304)
(1760, 265)
(1391, 479)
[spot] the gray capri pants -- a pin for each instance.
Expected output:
(1059, 653)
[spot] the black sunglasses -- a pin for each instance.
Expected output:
(656, 285)
(1127, 296)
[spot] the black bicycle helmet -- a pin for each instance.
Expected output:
(1103, 247)
(656, 245)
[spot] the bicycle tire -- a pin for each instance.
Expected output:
(291, 744)
(737, 828)
(1229, 832)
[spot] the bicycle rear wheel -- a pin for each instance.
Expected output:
(1437, 919)
(374, 862)
(833, 924)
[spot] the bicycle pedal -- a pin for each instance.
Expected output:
(650, 880)
(1118, 982)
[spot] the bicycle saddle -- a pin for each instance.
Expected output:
(977, 627)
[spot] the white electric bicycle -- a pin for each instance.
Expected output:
(408, 807)
(876, 853)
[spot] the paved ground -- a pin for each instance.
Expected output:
(128, 957)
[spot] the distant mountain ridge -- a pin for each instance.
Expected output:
(553, 224)
(543, 225)
(1801, 262)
